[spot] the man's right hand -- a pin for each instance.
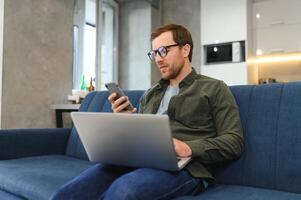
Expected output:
(119, 105)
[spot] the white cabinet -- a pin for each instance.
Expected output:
(223, 21)
(284, 38)
(276, 12)
(231, 74)
(277, 26)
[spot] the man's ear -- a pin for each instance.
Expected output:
(186, 50)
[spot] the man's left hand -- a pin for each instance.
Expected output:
(181, 148)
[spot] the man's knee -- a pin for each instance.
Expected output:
(123, 189)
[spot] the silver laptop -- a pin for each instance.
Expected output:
(136, 140)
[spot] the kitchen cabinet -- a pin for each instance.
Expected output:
(276, 26)
(276, 12)
(230, 73)
(278, 39)
(223, 21)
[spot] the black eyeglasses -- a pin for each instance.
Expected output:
(162, 51)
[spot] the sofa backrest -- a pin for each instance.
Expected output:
(95, 102)
(270, 116)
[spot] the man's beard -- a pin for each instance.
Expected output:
(173, 72)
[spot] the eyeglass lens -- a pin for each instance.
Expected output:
(162, 51)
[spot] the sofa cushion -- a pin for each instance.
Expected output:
(272, 131)
(288, 150)
(233, 174)
(38, 177)
(95, 102)
(8, 196)
(234, 192)
(256, 166)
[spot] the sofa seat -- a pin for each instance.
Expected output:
(8, 196)
(235, 192)
(38, 177)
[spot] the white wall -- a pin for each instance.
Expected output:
(134, 43)
(231, 74)
(226, 21)
(1, 49)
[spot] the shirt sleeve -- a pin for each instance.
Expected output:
(228, 142)
(142, 103)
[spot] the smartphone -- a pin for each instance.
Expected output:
(114, 87)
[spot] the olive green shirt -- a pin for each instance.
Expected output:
(205, 116)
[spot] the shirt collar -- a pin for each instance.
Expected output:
(186, 81)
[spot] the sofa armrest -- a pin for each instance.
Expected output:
(17, 143)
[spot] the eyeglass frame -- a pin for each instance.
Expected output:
(157, 51)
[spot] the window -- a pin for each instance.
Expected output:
(108, 64)
(89, 51)
(95, 42)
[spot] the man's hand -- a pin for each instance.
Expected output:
(120, 104)
(181, 148)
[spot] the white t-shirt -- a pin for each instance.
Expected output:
(170, 92)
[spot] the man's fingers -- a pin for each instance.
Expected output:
(116, 103)
(121, 107)
(120, 100)
(181, 148)
(112, 97)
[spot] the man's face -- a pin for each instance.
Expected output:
(171, 65)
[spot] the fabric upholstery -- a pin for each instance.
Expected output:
(38, 177)
(242, 95)
(16, 143)
(272, 134)
(288, 139)
(268, 169)
(7, 196)
(235, 192)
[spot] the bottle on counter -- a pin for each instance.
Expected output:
(83, 85)
(91, 87)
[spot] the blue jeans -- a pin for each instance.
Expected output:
(121, 183)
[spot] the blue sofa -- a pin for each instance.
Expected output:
(51, 163)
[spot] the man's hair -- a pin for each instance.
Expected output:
(180, 35)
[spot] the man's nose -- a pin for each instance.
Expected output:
(158, 58)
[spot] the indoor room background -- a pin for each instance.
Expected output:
(48, 46)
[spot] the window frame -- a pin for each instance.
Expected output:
(78, 42)
(99, 20)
